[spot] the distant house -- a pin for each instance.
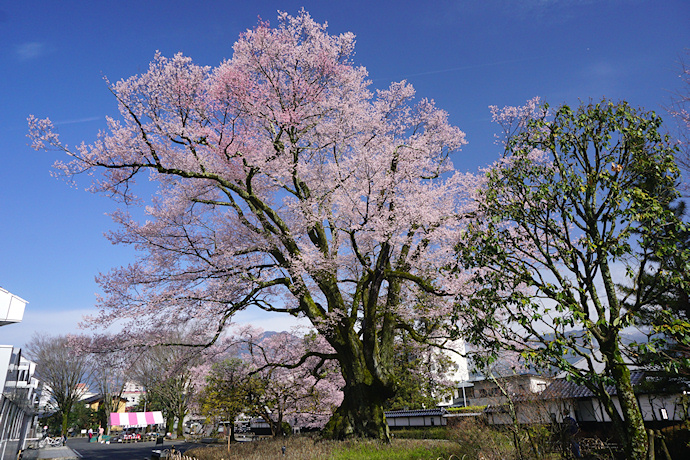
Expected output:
(487, 391)
(493, 393)
(542, 400)
(133, 393)
(416, 418)
(83, 391)
(94, 402)
(656, 405)
(481, 391)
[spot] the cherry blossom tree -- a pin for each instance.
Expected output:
(285, 183)
(288, 388)
(169, 376)
(680, 109)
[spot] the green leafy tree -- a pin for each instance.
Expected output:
(82, 417)
(664, 291)
(226, 393)
(150, 402)
(571, 207)
(421, 373)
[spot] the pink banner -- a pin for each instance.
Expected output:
(135, 419)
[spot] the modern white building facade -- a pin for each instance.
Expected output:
(19, 389)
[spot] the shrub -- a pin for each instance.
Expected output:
(462, 410)
(476, 438)
(677, 439)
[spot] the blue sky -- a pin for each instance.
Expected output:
(466, 55)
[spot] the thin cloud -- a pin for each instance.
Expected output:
(43, 322)
(30, 50)
(77, 120)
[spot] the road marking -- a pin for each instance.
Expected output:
(78, 454)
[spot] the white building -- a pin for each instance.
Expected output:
(19, 389)
(460, 376)
(133, 393)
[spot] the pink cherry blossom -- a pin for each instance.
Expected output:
(283, 182)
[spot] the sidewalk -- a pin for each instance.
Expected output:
(54, 453)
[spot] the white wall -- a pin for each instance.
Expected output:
(11, 307)
(5, 356)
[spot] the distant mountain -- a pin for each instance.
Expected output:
(242, 349)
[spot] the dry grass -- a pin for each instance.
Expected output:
(296, 448)
(468, 440)
(303, 447)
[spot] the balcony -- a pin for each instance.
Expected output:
(11, 308)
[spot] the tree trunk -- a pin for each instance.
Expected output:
(180, 427)
(636, 445)
(360, 414)
(169, 423)
(232, 431)
(65, 419)
(635, 441)
(367, 386)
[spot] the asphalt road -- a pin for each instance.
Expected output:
(119, 451)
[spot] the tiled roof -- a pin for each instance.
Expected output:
(562, 389)
(415, 413)
(96, 398)
(92, 399)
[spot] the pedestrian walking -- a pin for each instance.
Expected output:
(571, 428)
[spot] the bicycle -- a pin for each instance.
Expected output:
(51, 442)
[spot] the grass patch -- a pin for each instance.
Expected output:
(399, 449)
(436, 432)
(303, 447)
